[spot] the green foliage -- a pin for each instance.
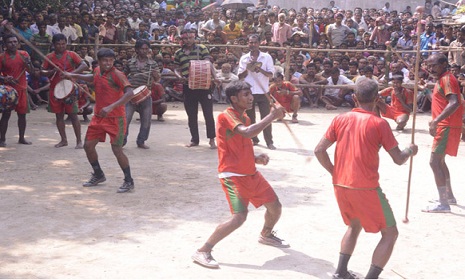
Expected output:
(461, 10)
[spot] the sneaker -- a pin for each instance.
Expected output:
(126, 187)
(347, 275)
(94, 180)
(273, 240)
(205, 259)
(437, 208)
(450, 201)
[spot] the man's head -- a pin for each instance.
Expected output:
(366, 90)
(437, 64)
(239, 94)
(106, 58)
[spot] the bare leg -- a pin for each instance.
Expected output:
(402, 122)
(272, 215)
(60, 122)
(385, 246)
(224, 230)
(295, 106)
(4, 127)
(122, 159)
(77, 130)
(22, 129)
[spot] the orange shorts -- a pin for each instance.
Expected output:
(58, 106)
(23, 104)
(100, 127)
(447, 140)
(370, 207)
(392, 113)
(240, 190)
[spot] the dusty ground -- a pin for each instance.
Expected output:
(51, 227)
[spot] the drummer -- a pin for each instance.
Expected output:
(141, 71)
(13, 66)
(67, 61)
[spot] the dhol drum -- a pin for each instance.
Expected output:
(8, 98)
(140, 94)
(200, 75)
(64, 91)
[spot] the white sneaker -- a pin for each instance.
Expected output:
(205, 259)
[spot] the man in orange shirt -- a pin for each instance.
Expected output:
(241, 181)
(287, 94)
(445, 127)
(112, 91)
(401, 102)
(359, 135)
(13, 66)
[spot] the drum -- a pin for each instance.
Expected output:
(140, 94)
(200, 75)
(8, 98)
(64, 89)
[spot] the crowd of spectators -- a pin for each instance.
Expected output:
(335, 45)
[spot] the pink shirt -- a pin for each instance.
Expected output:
(281, 33)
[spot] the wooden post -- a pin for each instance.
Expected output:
(287, 75)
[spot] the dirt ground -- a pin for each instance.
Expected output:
(52, 227)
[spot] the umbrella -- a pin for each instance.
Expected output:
(237, 4)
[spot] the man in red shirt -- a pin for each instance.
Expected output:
(112, 91)
(401, 101)
(445, 127)
(241, 181)
(287, 94)
(359, 135)
(13, 66)
(67, 61)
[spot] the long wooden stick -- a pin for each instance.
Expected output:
(414, 113)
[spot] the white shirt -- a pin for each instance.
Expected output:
(259, 82)
(342, 80)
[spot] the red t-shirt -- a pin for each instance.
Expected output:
(67, 62)
(447, 84)
(395, 102)
(283, 99)
(235, 152)
(109, 88)
(16, 67)
(359, 135)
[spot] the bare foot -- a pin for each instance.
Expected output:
(331, 107)
(143, 146)
(61, 144)
(212, 144)
(23, 141)
(295, 120)
(192, 144)
(79, 146)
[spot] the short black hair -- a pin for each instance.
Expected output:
(59, 37)
(105, 52)
(235, 87)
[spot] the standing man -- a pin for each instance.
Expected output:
(67, 61)
(112, 91)
(337, 32)
(359, 135)
(192, 97)
(256, 68)
(13, 66)
(282, 31)
(141, 70)
(445, 127)
(240, 180)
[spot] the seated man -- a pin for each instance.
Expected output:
(312, 78)
(286, 94)
(226, 77)
(159, 106)
(37, 86)
(85, 107)
(335, 97)
(401, 101)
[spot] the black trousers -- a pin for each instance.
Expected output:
(264, 108)
(192, 98)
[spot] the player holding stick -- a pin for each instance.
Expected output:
(359, 135)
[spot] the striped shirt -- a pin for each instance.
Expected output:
(140, 76)
(199, 52)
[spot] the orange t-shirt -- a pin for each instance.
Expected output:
(359, 134)
(395, 102)
(16, 67)
(447, 84)
(67, 62)
(235, 152)
(109, 88)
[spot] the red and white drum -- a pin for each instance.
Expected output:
(140, 94)
(8, 98)
(200, 75)
(64, 89)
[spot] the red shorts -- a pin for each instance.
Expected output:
(370, 207)
(59, 106)
(100, 127)
(447, 140)
(23, 104)
(392, 113)
(240, 190)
